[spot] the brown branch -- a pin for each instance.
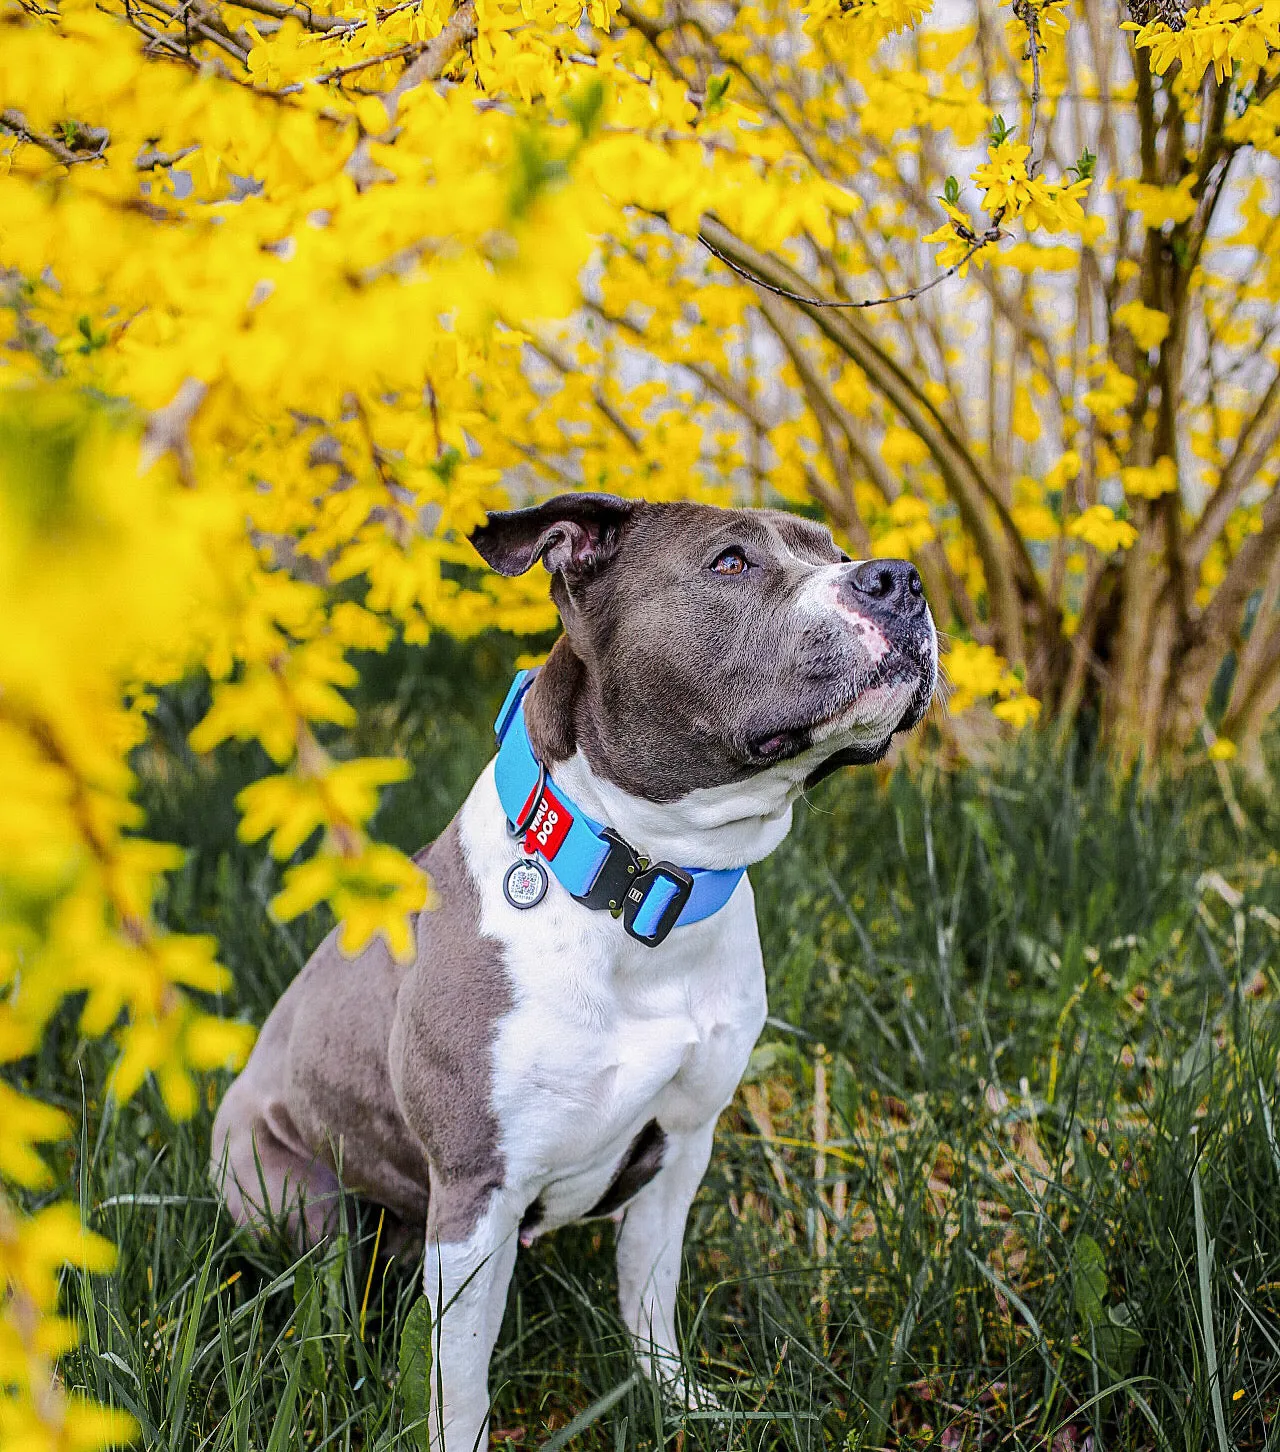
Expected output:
(413, 48)
(1221, 617)
(1244, 723)
(460, 29)
(191, 16)
(1029, 14)
(992, 234)
(15, 122)
(279, 11)
(167, 430)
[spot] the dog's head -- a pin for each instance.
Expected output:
(705, 646)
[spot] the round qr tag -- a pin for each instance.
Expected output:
(525, 884)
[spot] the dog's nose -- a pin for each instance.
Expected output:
(895, 583)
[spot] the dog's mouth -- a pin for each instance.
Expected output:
(849, 714)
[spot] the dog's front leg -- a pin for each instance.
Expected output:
(466, 1280)
(650, 1241)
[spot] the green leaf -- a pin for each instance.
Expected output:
(1108, 1332)
(951, 191)
(1088, 1279)
(414, 1383)
(534, 171)
(717, 86)
(1084, 167)
(306, 1301)
(585, 103)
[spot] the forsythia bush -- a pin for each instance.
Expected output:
(291, 293)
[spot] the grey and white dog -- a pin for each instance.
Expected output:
(540, 1062)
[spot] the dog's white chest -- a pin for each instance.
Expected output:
(606, 1034)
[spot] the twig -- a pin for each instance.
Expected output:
(412, 48)
(16, 122)
(149, 159)
(279, 11)
(460, 29)
(167, 427)
(1028, 12)
(183, 15)
(992, 234)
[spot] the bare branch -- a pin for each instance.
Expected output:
(166, 431)
(1199, 665)
(992, 234)
(279, 11)
(459, 30)
(15, 122)
(1259, 656)
(1028, 12)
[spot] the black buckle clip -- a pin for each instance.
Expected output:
(638, 893)
(618, 871)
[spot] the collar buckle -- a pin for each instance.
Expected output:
(646, 923)
(620, 869)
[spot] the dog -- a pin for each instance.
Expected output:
(587, 991)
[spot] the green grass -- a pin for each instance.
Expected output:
(1044, 1009)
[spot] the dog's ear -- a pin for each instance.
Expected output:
(576, 534)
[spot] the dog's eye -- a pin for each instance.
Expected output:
(732, 562)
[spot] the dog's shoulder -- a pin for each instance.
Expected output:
(447, 1008)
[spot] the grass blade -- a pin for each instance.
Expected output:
(593, 1413)
(1204, 1271)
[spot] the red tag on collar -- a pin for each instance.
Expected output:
(549, 826)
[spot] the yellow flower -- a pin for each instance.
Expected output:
(1150, 481)
(1160, 205)
(1111, 395)
(958, 239)
(976, 671)
(1017, 711)
(1211, 34)
(1222, 750)
(1035, 521)
(1063, 472)
(27, 1123)
(1003, 178)
(1099, 527)
(1148, 326)
(1055, 206)
(900, 448)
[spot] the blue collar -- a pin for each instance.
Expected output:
(592, 862)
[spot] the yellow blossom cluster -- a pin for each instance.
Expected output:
(1150, 481)
(976, 671)
(1218, 34)
(1009, 191)
(1099, 527)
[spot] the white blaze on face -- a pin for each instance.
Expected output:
(870, 636)
(868, 632)
(822, 596)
